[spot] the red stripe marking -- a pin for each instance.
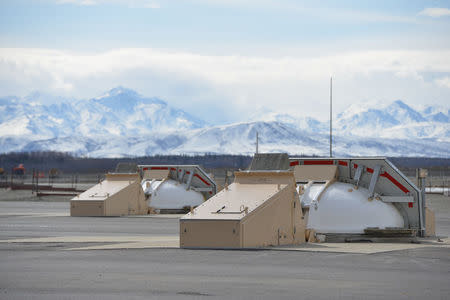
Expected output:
(173, 169)
(410, 204)
(318, 162)
(204, 181)
(370, 170)
(159, 168)
(394, 181)
(188, 172)
(343, 163)
(145, 169)
(294, 163)
(355, 166)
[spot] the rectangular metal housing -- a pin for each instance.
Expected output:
(259, 209)
(117, 195)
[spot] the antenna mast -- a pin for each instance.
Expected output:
(257, 142)
(331, 116)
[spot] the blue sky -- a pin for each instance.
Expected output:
(100, 25)
(207, 56)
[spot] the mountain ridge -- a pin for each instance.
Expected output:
(121, 122)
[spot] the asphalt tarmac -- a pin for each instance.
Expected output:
(39, 260)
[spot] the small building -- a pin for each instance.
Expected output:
(19, 170)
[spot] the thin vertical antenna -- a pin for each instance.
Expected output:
(257, 142)
(331, 116)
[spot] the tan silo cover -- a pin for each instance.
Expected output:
(259, 209)
(117, 195)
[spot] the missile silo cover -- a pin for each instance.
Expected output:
(230, 204)
(113, 184)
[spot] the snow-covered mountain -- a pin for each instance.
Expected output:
(123, 123)
(436, 114)
(124, 112)
(232, 139)
(396, 120)
(241, 138)
(118, 112)
(302, 123)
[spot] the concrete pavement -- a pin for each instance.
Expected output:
(45, 254)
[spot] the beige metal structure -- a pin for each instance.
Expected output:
(156, 174)
(430, 223)
(321, 177)
(259, 209)
(117, 195)
(388, 200)
(307, 173)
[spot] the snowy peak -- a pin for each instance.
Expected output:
(117, 112)
(120, 90)
(241, 138)
(403, 113)
(361, 118)
(373, 118)
(370, 119)
(395, 113)
(304, 123)
(114, 92)
(124, 101)
(396, 120)
(439, 117)
(436, 114)
(138, 114)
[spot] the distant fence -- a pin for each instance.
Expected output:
(44, 183)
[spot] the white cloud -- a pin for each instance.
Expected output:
(435, 12)
(444, 82)
(233, 87)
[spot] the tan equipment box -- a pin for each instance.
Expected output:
(117, 195)
(261, 208)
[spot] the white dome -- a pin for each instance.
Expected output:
(173, 195)
(150, 185)
(311, 193)
(342, 209)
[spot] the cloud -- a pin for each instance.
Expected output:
(444, 82)
(129, 3)
(230, 87)
(435, 12)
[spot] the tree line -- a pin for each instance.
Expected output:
(68, 163)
